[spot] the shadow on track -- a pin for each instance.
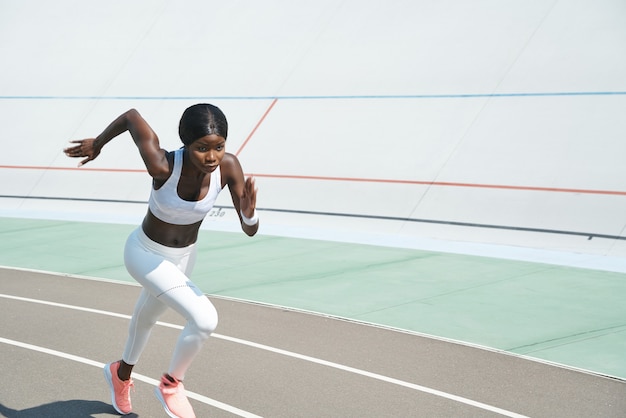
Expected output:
(75, 408)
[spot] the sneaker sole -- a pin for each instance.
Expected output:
(157, 393)
(109, 378)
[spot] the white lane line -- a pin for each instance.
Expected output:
(342, 367)
(378, 377)
(136, 376)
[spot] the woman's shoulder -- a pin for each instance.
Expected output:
(229, 162)
(230, 168)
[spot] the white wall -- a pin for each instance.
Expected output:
(517, 102)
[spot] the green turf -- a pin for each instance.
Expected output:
(571, 316)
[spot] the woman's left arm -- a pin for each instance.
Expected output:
(243, 192)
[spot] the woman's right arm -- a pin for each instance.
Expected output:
(144, 137)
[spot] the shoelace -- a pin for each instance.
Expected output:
(128, 386)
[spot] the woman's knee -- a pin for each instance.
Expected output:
(206, 321)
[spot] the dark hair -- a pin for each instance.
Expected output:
(201, 120)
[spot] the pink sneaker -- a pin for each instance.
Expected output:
(171, 393)
(120, 389)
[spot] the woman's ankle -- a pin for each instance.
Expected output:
(124, 371)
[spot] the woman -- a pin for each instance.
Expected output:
(161, 253)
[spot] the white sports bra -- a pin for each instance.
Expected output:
(166, 205)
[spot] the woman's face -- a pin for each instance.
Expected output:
(207, 152)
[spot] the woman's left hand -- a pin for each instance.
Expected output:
(248, 198)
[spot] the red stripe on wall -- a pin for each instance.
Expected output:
(353, 179)
(256, 127)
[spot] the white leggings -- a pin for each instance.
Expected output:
(163, 271)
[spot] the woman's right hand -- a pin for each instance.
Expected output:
(83, 148)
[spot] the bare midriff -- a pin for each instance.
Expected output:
(170, 235)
